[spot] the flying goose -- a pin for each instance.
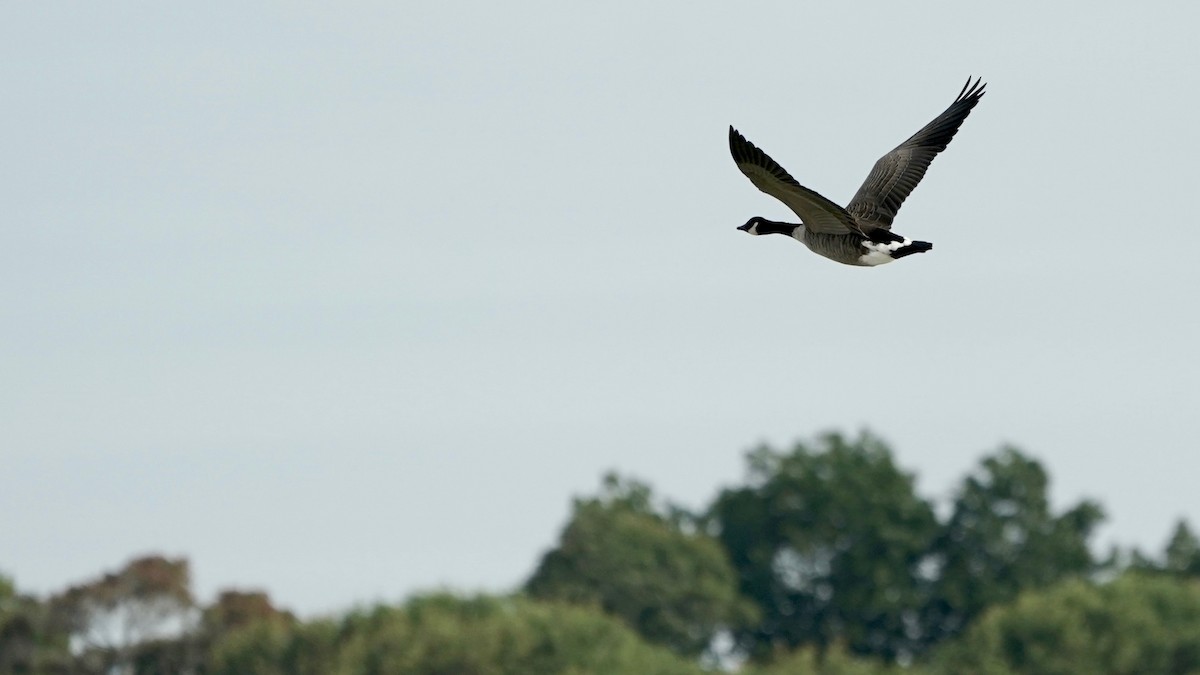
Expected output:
(859, 234)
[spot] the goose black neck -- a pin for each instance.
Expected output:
(775, 227)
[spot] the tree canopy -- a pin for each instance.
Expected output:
(827, 540)
(442, 634)
(648, 567)
(823, 560)
(1134, 625)
(1001, 539)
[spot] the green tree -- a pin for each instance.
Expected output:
(446, 635)
(827, 539)
(267, 646)
(649, 567)
(1182, 555)
(27, 643)
(1134, 625)
(830, 661)
(17, 630)
(1002, 539)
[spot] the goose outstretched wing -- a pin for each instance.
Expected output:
(896, 174)
(816, 212)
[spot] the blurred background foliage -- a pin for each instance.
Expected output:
(823, 560)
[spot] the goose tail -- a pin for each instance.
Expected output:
(911, 248)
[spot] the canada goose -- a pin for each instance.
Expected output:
(859, 234)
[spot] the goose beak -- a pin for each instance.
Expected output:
(745, 227)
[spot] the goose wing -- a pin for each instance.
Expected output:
(896, 174)
(816, 212)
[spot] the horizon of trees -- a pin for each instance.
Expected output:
(823, 560)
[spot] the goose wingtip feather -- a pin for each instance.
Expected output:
(969, 90)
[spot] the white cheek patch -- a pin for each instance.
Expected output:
(878, 254)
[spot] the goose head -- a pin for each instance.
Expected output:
(759, 225)
(751, 226)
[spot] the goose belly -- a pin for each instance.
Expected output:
(849, 249)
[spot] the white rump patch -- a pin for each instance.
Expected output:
(878, 254)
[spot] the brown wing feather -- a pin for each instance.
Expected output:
(895, 175)
(816, 212)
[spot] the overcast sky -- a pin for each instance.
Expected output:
(347, 303)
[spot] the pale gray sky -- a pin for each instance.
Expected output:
(348, 302)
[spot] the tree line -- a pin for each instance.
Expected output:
(823, 560)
